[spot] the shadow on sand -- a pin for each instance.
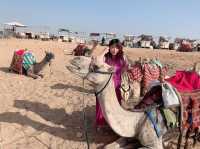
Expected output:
(72, 123)
(76, 88)
(6, 70)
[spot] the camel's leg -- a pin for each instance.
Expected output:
(148, 138)
(117, 144)
(31, 74)
(41, 75)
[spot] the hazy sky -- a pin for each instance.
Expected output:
(156, 17)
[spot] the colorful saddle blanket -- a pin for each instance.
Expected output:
(157, 121)
(191, 109)
(22, 59)
(28, 60)
(187, 83)
(147, 72)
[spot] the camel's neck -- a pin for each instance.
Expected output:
(39, 66)
(123, 122)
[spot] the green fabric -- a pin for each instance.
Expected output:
(156, 62)
(28, 60)
(170, 117)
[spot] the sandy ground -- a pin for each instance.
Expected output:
(47, 113)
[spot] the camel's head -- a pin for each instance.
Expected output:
(49, 56)
(92, 69)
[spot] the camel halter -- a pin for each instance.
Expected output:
(96, 94)
(84, 117)
(101, 90)
(100, 72)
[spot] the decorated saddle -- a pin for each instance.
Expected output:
(135, 81)
(187, 89)
(22, 59)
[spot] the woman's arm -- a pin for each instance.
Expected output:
(126, 63)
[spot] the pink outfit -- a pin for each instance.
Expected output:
(118, 64)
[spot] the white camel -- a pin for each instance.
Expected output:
(125, 123)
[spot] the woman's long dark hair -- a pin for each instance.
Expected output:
(119, 46)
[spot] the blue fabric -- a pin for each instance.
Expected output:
(157, 121)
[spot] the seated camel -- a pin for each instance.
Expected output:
(24, 62)
(127, 124)
(35, 69)
(83, 50)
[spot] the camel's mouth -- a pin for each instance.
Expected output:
(75, 63)
(76, 68)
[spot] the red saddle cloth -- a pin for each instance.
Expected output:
(185, 81)
(188, 85)
(17, 61)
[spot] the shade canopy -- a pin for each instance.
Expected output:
(111, 34)
(15, 24)
(64, 30)
(94, 34)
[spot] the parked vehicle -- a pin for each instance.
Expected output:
(128, 41)
(147, 41)
(163, 43)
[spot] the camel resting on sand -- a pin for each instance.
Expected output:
(125, 123)
(35, 69)
(26, 63)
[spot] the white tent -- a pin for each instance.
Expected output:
(10, 28)
(15, 24)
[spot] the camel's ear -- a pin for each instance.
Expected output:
(100, 59)
(46, 51)
(93, 59)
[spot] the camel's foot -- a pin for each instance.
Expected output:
(34, 77)
(41, 75)
(118, 144)
(124, 143)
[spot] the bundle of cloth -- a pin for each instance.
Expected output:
(145, 71)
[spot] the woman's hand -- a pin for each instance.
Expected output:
(129, 67)
(124, 69)
(111, 69)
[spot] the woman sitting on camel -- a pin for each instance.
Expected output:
(114, 57)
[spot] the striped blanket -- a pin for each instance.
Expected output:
(28, 60)
(145, 73)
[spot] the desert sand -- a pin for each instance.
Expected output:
(47, 113)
